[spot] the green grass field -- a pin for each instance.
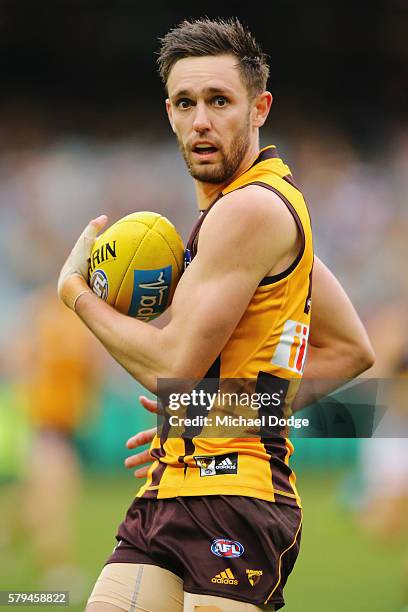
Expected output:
(339, 569)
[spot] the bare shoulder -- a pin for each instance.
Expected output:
(249, 215)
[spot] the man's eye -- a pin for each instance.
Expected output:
(183, 103)
(220, 101)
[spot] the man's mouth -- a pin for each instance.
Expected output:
(204, 150)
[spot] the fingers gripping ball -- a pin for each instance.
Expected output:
(136, 263)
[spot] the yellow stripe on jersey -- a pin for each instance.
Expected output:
(269, 343)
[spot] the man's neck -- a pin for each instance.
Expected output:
(206, 193)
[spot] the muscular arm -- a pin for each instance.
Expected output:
(339, 348)
(241, 239)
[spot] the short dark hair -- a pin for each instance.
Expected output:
(204, 36)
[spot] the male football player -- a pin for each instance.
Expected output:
(217, 524)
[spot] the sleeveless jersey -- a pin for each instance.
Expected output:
(267, 346)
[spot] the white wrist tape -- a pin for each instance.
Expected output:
(77, 298)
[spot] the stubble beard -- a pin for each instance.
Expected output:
(228, 165)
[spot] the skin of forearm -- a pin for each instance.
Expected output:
(136, 346)
(328, 369)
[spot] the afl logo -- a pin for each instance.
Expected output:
(227, 548)
(99, 284)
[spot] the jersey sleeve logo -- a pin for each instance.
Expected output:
(290, 352)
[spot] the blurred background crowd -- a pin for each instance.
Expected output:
(83, 132)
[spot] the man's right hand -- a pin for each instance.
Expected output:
(140, 439)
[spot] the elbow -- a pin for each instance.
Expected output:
(181, 372)
(363, 356)
(179, 362)
(352, 358)
(172, 380)
(182, 367)
(370, 358)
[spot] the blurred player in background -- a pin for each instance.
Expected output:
(57, 369)
(241, 310)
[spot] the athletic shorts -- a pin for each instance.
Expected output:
(230, 546)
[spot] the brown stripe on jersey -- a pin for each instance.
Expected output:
(280, 471)
(289, 179)
(269, 153)
(193, 239)
(274, 438)
(308, 301)
(214, 370)
(192, 432)
(159, 453)
(192, 242)
(157, 474)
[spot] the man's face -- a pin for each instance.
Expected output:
(209, 111)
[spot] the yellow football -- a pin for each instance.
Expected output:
(136, 263)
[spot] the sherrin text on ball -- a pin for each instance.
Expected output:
(136, 263)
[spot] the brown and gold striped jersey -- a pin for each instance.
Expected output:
(268, 346)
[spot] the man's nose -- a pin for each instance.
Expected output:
(201, 120)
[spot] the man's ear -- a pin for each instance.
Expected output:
(170, 114)
(262, 106)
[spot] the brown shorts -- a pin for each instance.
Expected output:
(229, 546)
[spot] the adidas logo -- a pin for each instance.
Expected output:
(217, 465)
(226, 464)
(226, 577)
